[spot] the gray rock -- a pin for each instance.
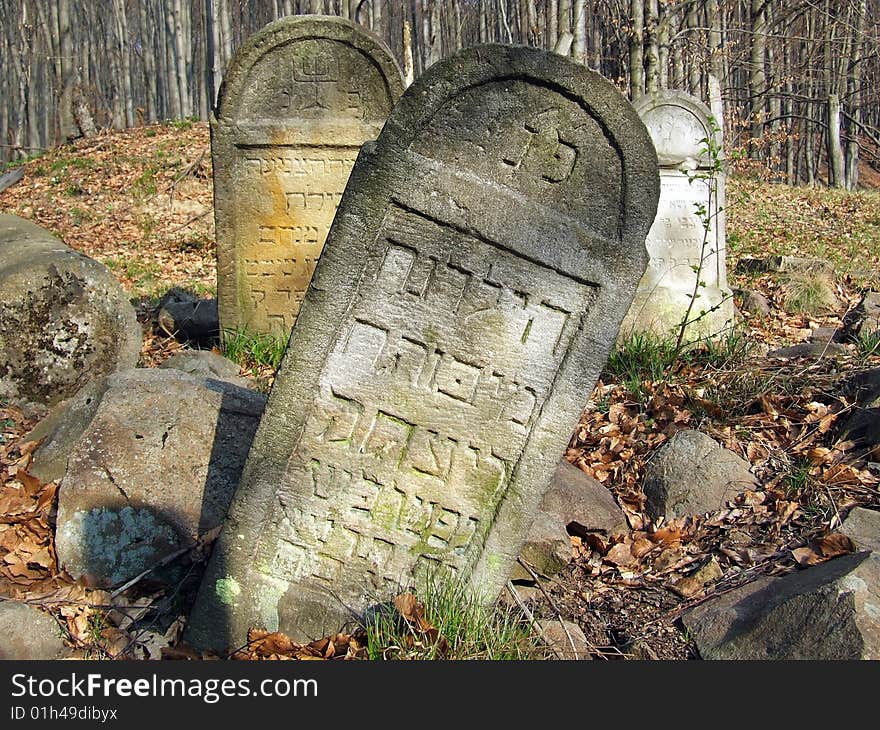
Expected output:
(864, 320)
(825, 334)
(62, 428)
(864, 388)
(188, 318)
(481, 260)
(752, 302)
(206, 364)
(862, 526)
(808, 349)
(566, 640)
(785, 264)
(154, 469)
(26, 633)
(692, 474)
(582, 504)
(64, 318)
(828, 612)
(547, 549)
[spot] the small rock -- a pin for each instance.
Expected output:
(864, 319)
(784, 264)
(188, 318)
(207, 364)
(808, 349)
(752, 303)
(862, 526)
(547, 549)
(581, 503)
(825, 334)
(155, 468)
(828, 612)
(26, 633)
(693, 474)
(565, 639)
(864, 388)
(695, 583)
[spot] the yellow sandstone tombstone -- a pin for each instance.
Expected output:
(299, 100)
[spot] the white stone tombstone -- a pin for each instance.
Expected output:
(679, 246)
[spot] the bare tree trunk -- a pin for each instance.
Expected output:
(579, 43)
(636, 49)
(652, 51)
(407, 53)
(67, 121)
(854, 85)
(835, 151)
(757, 77)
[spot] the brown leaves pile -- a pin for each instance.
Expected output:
(278, 646)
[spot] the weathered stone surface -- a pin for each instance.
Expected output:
(206, 364)
(676, 242)
(581, 503)
(566, 640)
(154, 469)
(864, 388)
(692, 474)
(862, 526)
(547, 549)
(26, 633)
(482, 258)
(64, 318)
(62, 428)
(299, 99)
(752, 302)
(864, 320)
(786, 265)
(830, 611)
(808, 349)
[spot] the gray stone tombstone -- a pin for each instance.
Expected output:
(298, 101)
(679, 125)
(483, 256)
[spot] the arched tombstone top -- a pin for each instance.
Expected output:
(294, 77)
(537, 125)
(300, 98)
(679, 125)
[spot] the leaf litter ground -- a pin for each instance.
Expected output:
(140, 201)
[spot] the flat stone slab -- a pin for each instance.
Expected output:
(481, 261)
(828, 612)
(299, 99)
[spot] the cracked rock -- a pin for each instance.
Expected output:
(154, 468)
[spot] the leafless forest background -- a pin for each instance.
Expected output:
(799, 80)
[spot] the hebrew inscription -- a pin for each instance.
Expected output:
(465, 301)
(300, 98)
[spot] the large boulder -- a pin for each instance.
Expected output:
(692, 474)
(830, 611)
(153, 470)
(26, 633)
(64, 318)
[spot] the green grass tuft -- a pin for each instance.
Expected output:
(467, 629)
(254, 350)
